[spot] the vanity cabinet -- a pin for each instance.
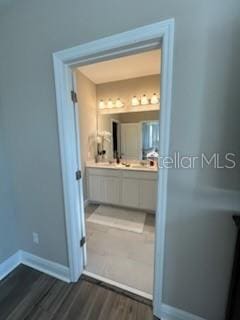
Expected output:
(130, 193)
(133, 189)
(103, 186)
(112, 190)
(96, 190)
(148, 200)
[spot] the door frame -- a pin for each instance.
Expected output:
(153, 36)
(112, 120)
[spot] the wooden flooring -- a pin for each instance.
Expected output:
(29, 294)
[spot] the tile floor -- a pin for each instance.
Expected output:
(123, 256)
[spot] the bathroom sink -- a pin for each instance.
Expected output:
(139, 165)
(107, 164)
(142, 166)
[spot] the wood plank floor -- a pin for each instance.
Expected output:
(29, 294)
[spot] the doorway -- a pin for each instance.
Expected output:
(159, 35)
(116, 141)
(119, 156)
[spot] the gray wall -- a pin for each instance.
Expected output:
(200, 234)
(8, 220)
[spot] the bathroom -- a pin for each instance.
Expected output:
(118, 119)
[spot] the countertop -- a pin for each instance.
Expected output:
(114, 166)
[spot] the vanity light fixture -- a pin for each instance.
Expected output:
(135, 101)
(144, 100)
(101, 104)
(154, 99)
(119, 103)
(110, 104)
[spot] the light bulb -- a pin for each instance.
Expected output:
(110, 104)
(154, 99)
(119, 103)
(135, 101)
(101, 104)
(144, 100)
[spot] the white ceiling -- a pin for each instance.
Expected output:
(134, 66)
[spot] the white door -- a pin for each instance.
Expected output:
(80, 260)
(130, 141)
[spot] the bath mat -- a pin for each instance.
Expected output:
(119, 218)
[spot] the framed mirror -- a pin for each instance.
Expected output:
(134, 136)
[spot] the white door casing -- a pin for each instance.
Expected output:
(160, 34)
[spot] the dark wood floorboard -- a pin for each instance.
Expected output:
(27, 294)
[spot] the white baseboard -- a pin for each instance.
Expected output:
(171, 313)
(21, 257)
(51, 268)
(9, 264)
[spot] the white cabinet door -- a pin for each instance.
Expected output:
(130, 193)
(112, 188)
(96, 190)
(104, 189)
(148, 194)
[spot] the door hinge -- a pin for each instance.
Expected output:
(82, 241)
(78, 175)
(74, 96)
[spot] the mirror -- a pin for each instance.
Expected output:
(130, 135)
